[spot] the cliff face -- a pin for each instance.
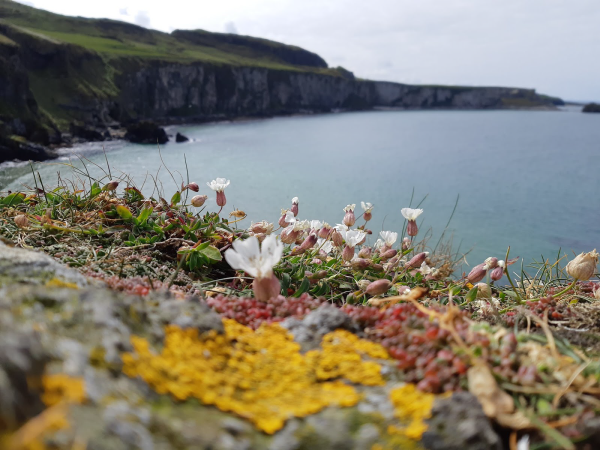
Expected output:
(200, 91)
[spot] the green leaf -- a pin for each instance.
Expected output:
(286, 280)
(124, 212)
(304, 287)
(455, 290)
(471, 295)
(13, 199)
(510, 294)
(144, 214)
(95, 190)
(211, 253)
(176, 198)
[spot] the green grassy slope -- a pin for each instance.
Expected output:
(112, 39)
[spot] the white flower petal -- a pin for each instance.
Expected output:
(410, 213)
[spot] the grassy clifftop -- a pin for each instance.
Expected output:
(113, 39)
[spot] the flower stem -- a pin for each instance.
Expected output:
(519, 299)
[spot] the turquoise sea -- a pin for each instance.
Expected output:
(526, 179)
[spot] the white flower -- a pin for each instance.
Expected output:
(295, 200)
(523, 443)
(324, 245)
(301, 225)
(367, 207)
(219, 184)
(411, 214)
(379, 244)
(389, 237)
(350, 207)
(289, 217)
(316, 224)
(257, 262)
(425, 269)
(353, 237)
(501, 263)
(340, 227)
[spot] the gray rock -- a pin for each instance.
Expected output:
(22, 358)
(367, 435)
(129, 424)
(459, 423)
(18, 265)
(325, 319)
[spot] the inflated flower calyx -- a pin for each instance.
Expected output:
(193, 187)
(411, 215)
(365, 252)
(294, 208)
(498, 272)
(390, 253)
(583, 267)
(307, 244)
(367, 207)
(337, 238)
(219, 186)
(483, 290)
(263, 227)
(349, 217)
(111, 186)
(491, 262)
(378, 287)
(325, 231)
(360, 263)
(417, 260)
(477, 273)
(198, 200)
(21, 221)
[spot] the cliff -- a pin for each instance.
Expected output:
(63, 78)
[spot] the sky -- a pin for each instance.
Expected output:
(550, 45)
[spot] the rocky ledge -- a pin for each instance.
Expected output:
(86, 353)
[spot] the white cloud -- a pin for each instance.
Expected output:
(142, 19)
(123, 12)
(231, 28)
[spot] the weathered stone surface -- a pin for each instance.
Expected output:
(325, 319)
(179, 138)
(146, 133)
(459, 423)
(19, 265)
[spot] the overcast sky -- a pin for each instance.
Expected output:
(550, 45)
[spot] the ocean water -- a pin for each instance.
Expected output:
(525, 179)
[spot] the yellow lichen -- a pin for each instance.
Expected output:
(58, 283)
(62, 388)
(31, 435)
(413, 407)
(260, 375)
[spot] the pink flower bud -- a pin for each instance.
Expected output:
(316, 261)
(406, 243)
(221, 200)
(262, 227)
(193, 187)
(412, 229)
(294, 208)
(367, 216)
(266, 288)
(307, 244)
(365, 252)
(21, 221)
(491, 262)
(324, 231)
(416, 260)
(111, 186)
(289, 235)
(390, 253)
(349, 218)
(360, 263)
(378, 287)
(497, 273)
(348, 253)
(477, 274)
(282, 222)
(337, 238)
(198, 200)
